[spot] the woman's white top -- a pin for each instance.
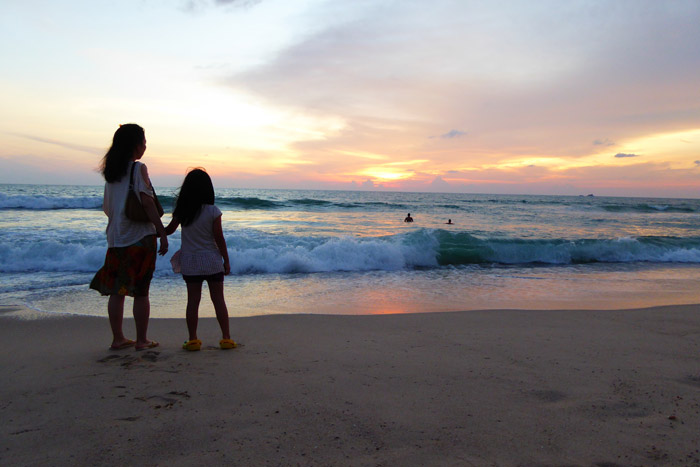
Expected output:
(122, 231)
(199, 255)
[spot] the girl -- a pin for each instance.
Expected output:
(131, 246)
(203, 248)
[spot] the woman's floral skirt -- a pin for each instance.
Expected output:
(127, 270)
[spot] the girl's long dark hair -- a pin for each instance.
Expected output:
(195, 191)
(126, 139)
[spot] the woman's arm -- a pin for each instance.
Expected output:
(105, 201)
(150, 207)
(221, 244)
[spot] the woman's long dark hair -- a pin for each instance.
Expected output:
(195, 191)
(126, 139)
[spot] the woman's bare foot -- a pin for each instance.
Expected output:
(147, 345)
(122, 344)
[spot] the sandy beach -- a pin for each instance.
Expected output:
(503, 388)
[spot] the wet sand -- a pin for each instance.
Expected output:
(502, 388)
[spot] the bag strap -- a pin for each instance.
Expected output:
(131, 180)
(131, 177)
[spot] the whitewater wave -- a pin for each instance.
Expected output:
(250, 203)
(50, 203)
(286, 254)
(254, 252)
(40, 202)
(462, 248)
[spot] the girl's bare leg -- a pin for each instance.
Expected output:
(216, 292)
(194, 295)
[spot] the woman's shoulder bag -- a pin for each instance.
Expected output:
(134, 209)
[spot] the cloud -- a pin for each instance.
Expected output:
(451, 134)
(603, 142)
(697, 163)
(520, 90)
(63, 144)
(366, 185)
(439, 183)
(622, 155)
(237, 3)
(194, 6)
(32, 168)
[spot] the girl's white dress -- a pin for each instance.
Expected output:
(199, 255)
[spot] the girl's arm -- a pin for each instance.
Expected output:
(221, 244)
(172, 227)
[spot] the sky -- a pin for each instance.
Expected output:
(513, 97)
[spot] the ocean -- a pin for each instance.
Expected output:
(349, 252)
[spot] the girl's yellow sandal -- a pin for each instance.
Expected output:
(227, 344)
(194, 344)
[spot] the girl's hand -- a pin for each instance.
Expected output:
(221, 244)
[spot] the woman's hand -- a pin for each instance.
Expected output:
(163, 244)
(149, 205)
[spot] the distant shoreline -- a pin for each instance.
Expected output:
(351, 190)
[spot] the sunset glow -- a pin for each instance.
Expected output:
(538, 97)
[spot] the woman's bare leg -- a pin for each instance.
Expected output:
(115, 310)
(142, 311)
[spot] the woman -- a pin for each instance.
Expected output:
(131, 252)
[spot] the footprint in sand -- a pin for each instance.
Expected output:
(128, 419)
(133, 359)
(120, 359)
(692, 380)
(165, 401)
(109, 358)
(548, 395)
(150, 355)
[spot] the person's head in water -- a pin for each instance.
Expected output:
(196, 190)
(128, 143)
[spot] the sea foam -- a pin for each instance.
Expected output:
(254, 252)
